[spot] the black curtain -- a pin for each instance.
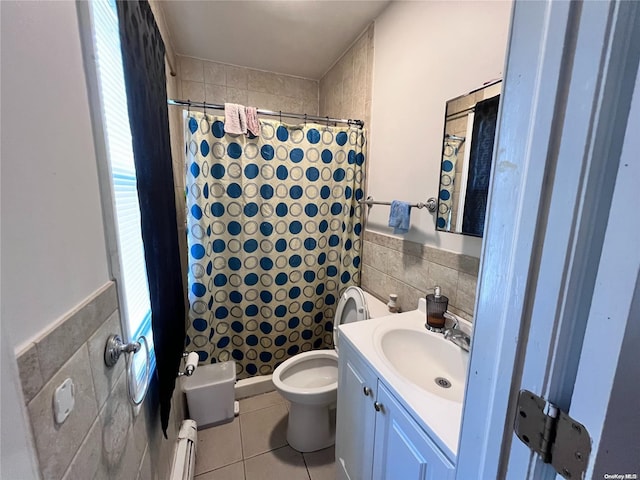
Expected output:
(484, 132)
(144, 71)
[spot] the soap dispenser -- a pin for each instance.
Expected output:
(392, 304)
(436, 306)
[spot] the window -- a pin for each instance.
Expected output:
(127, 255)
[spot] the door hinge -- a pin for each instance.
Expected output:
(552, 434)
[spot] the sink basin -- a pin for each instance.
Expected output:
(424, 359)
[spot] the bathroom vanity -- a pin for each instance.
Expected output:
(400, 393)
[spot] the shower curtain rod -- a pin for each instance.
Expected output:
(448, 136)
(262, 111)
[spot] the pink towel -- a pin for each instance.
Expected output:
(235, 120)
(253, 125)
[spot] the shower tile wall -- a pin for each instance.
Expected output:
(219, 83)
(345, 90)
(393, 265)
(103, 437)
(201, 80)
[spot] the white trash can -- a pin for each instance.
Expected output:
(210, 393)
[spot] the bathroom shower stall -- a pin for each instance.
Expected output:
(274, 229)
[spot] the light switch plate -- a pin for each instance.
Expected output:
(63, 400)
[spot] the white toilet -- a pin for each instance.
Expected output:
(309, 380)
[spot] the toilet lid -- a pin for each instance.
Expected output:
(352, 307)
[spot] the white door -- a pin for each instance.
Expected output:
(561, 252)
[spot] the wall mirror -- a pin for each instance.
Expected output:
(467, 150)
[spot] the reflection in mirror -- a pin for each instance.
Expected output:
(469, 131)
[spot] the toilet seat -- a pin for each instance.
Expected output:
(309, 376)
(352, 307)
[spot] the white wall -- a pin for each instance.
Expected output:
(53, 246)
(426, 53)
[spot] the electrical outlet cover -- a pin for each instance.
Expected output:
(64, 400)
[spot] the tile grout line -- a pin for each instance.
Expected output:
(243, 458)
(244, 465)
(305, 465)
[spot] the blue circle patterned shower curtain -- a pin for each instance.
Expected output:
(274, 235)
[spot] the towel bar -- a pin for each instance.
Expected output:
(430, 204)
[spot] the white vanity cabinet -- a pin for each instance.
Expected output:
(356, 416)
(402, 449)
(376, 437)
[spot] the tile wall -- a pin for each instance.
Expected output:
(104, 437)
(345, 90)
(219, 83)
(409, 269)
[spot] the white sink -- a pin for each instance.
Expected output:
(424, 359)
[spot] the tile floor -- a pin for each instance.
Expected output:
(254, 447)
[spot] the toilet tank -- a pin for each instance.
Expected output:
(376, 307)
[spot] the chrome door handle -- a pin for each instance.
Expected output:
(377, 406)
(367, 391)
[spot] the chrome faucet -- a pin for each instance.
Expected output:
(458, 337)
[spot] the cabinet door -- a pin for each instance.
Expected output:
(355, 417)
(402, 449)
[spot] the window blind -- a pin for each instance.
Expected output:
(132, 276)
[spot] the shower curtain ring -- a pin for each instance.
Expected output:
(280, 117)
(305, 119)
(188, 107)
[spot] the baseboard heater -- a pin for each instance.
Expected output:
(184, 458)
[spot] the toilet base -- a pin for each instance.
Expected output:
(311, 427)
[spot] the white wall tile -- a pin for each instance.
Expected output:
(30, 373)
(104, 378)
(193, 91)
(246, 86)
(215, 94)
(191, 69)
(265, 82)
(215, 73)
(236, 77)
(264, 100)
(87, 462)
(237, 95)
(310, 108)
(57, 444)
(98, 443)
(68, 336)
(293, 86)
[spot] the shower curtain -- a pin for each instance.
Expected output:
(274, 234)
(446, 208)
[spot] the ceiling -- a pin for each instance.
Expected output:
(295, 37)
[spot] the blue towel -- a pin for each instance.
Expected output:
(399, 216)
